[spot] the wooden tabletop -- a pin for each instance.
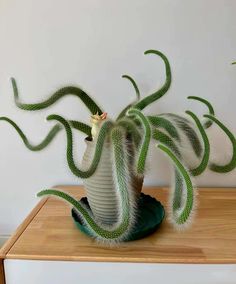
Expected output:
(49, 233)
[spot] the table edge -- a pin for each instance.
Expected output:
(21, 228)
(119, 260)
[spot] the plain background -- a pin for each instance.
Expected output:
(51, 43)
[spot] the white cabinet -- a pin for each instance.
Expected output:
(62, 272)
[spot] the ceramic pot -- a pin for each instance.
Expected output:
(100, 187)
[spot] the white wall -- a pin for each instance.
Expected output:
(50, 43)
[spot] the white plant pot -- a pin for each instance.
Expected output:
(100, 187)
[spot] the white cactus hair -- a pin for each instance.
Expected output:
(173, 215)
(130, 198)
(127, 173)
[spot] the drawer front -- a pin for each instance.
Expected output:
(61, 272)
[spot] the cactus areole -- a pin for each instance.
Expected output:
(171, 132)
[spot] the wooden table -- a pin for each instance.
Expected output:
(47, 248)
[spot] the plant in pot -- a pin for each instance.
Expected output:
(114, 162)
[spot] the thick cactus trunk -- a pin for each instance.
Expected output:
(100, 188)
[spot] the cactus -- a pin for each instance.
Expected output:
(168, 130)
(121, 229)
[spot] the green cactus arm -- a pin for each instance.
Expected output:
(185, 126)
(123, 112)
(175, 116)
(232, 163)
(158, 94)
(161, 122)
(69, 90)
(193, 138)
(131, 128)
(178, 197)
(180, 218)
(122, 228)
(141, 161)
(46, 141)
(50, 136)
(81, 127)
(134, 85)
(205, 158)
(166, 140)
(211, 110)
(104, 130)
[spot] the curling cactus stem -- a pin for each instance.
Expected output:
(132, 129)
(103, 133)
(146, 139)
(181, 216)
(51, 134)
(205, 158)
(65, 91)
(185, 125)
(161, 92)
(208, 122)
(134, 85)
(167, 125)
(231, 165)
(137, 92)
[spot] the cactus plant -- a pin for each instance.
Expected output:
(132, 125)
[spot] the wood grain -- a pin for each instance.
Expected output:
(2, 275)
(51, 234)
(11, 241)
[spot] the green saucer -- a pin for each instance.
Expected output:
(150, 215)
